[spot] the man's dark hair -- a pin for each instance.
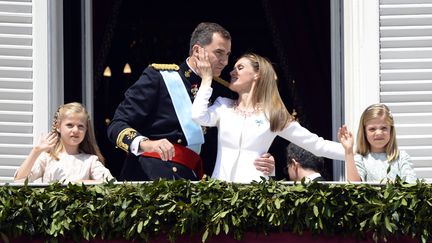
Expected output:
(203, 34)
(306, 159)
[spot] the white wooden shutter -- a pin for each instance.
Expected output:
(16, 85)
(406, 76)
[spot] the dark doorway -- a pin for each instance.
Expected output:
(294, 35)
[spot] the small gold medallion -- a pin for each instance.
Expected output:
(188, 73)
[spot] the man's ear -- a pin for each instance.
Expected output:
(195, 49)
(295, 163)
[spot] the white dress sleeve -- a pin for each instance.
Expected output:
(406, 171)
(201, 112)
(98, 171)
(320, 147)
(38, 168)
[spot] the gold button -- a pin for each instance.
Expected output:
(174, 169)
(179, 140)
(107, 121)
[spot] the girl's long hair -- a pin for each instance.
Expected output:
(88, 145)
(372, 112)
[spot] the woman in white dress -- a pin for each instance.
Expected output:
(69, 153)
(247, 126)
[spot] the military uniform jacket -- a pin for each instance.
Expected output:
(147, 109)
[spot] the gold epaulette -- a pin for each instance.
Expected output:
(221, 81)
(168, 67)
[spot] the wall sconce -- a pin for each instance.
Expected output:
(127, 68)
(107, 72)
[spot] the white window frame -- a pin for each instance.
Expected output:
(48, 62)
(361, 58)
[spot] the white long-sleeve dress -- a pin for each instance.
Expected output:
(242, 139)
(69, 168)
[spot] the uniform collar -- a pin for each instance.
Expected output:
(187, 72)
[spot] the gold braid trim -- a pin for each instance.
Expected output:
(168, 67)
(221, 81)
(130, 133)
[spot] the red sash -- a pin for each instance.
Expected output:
(183, 156)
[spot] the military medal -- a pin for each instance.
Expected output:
(194, 90)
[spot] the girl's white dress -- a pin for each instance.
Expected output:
(242, 139)
(69, 168)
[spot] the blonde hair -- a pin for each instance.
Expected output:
(372, 112)
(89, 144)
(266, 92)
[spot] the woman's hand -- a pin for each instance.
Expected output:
(203, 66)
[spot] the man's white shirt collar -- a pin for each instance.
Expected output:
(313, 176)
(187, 63)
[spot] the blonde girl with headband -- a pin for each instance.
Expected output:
(377, 155)
(69, 153)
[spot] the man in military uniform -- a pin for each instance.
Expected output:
(153, 122)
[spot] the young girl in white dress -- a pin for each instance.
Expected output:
(247, 126)
(69, 153)
(377, 155)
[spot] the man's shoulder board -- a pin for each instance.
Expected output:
(221, 81)
(165, 67)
